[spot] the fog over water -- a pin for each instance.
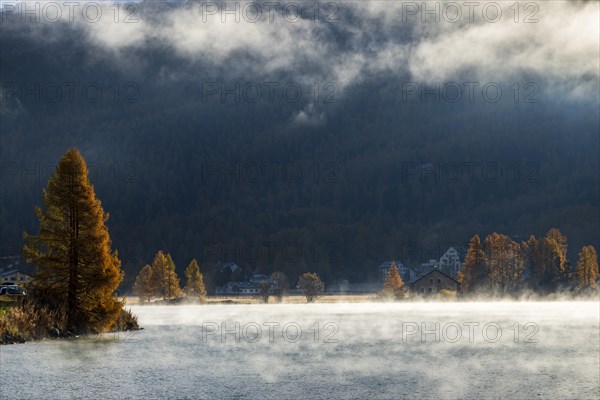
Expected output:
(366, 350)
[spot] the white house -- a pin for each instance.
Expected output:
(238, 288)
(450, 262)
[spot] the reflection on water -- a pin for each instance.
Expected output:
(405, 350)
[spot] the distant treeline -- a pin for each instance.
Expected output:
(503, 266)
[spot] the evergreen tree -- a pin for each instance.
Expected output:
(194, 282)
(393, 285)
(587, 268)
(474, 276)
(76, 268)
(144, 286)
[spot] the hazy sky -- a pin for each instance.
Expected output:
(351, 40)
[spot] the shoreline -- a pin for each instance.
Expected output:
(23, 323)
(360, 298)
(35, 333)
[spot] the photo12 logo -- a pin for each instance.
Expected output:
(269, 172)
(25, 172)
(287, 252)
(269, 11)
(130, 12)
(271, 332)
(470, 92)
(91, 12)
(470, 172)
(470, 11)
(471, 332)
(69, 92)
(269, 92)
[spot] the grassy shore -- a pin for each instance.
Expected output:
(21, 321)
(375, 297)
(293, 299)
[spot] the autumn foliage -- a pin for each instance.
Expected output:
(393, 285)
(502, 266)
(158, 280)
(76, 268)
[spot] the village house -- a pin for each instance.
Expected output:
(433, 281)
(14, 277)
(450, 262)
(238, 288)
(243, 288)
(15, 271)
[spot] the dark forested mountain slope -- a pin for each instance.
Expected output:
(370, 177)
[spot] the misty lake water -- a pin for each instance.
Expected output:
(516, 350)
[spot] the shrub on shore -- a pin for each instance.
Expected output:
(29, 321)
(127, 321)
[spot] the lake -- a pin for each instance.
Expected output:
(517, 350)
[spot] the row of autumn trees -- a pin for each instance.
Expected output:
(500, 265)
(159, 280)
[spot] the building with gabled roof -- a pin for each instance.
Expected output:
(14, 277)
(433, 281)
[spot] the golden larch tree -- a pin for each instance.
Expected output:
(75, 266)
(505, 262)
(555, 257)
(561, 241)
(194, 281)
(587, 268)
(145, 284)
(393, 285)
(474, 276)
(171, 285)
(164, 278)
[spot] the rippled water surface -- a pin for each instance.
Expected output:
(320, 351)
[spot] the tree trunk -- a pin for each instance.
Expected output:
(73, 263)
